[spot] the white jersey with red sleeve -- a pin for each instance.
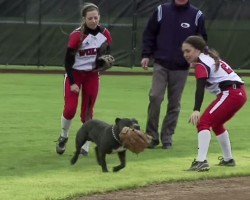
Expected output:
(205, 68)
(86, 46)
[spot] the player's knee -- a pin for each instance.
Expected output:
(203, 126)
(69, 114)
(218, 130)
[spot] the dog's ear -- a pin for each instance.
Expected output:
(117, 120)
(137, 127)
(135, 120)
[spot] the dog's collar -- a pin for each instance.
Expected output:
(113, 133)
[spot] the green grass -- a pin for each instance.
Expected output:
(30, 110)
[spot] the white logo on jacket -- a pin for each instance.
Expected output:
(185, 25)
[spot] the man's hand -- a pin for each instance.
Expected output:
(194, 118)
(144, 63)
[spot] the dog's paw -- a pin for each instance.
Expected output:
(117, 168)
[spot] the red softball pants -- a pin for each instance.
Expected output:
(222, 109)
(88, 82)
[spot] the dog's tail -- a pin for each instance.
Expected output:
(75, 158)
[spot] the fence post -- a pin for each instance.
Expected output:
(134, 33)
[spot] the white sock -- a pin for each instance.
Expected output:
(65, 125)
(86, 146)
(204, 138)
(225, 145)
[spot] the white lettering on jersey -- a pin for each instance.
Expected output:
(86, 55)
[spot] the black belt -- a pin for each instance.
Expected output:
(227, 85)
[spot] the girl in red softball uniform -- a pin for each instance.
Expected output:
(218, 78)
(81, 78)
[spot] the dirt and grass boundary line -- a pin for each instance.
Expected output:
(112, 71)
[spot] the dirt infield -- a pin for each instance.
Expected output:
(230, 188)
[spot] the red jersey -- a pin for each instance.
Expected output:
(87, 46)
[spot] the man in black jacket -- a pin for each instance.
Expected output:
(170, 24)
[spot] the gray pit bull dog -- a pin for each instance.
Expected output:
(107, 140)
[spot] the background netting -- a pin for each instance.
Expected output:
(35, 32)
